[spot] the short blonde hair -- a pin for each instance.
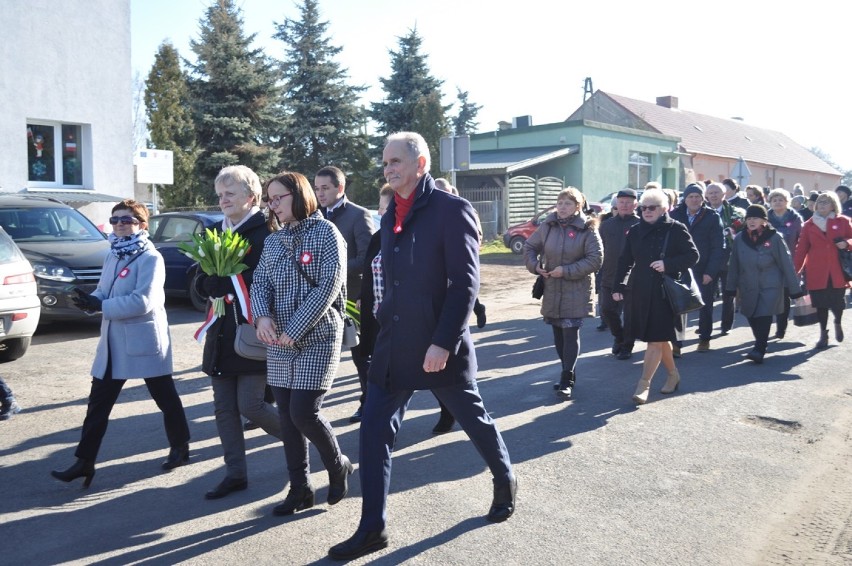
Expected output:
(779, 193)
(655, 197)
(832, 198)
(241, 176)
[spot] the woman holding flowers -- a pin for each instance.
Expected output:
(238, 383)
(297, 297)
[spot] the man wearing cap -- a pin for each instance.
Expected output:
(733, 221)
(843, 193)
(613, 232)
(732, 194)
(705, 227)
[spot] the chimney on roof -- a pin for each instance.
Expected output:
(667, 101)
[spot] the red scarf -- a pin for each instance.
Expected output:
(403, 205)
(755, 234)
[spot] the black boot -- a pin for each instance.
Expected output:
(823, 339)
(338, 482)
(479, 311)
(445, 422)
(503, 504)
(298, 499)
(80, 469)
(178, 456)
(566, 385)
(838, 331)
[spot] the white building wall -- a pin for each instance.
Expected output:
(67, 61)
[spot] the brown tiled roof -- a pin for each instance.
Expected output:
(724, 137)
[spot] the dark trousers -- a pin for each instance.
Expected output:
(612, 311)
(301, 421)
(381, 421)
(5, 392)
(705, 314)
(362, 365)
(760, 329)
(727, 304)
(102, 398)
(781, 319)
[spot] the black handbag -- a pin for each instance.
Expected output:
(683, 294)
(845, 257)
(538, 287)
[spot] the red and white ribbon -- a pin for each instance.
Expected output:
(201, 332)
(242, 297)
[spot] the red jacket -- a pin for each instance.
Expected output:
(816, 253)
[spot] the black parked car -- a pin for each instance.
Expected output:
(170, 229)
(65, 249)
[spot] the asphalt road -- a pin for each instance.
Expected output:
(745, 464)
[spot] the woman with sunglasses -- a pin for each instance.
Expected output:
(645, 260)
(298, 295)
(134, 342)
(239, 384)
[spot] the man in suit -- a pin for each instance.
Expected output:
(355, 224)
(430, 265)
(733, 221)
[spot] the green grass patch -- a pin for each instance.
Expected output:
(494, 247)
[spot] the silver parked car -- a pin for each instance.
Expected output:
(19, 305)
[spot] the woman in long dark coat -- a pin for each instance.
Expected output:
(653, 320)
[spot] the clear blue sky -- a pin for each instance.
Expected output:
(781, 68)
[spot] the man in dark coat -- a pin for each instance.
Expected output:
(705, 227)
(733, 221)
(613, 233)
(732, 194)
(430, 264)
(355, 224)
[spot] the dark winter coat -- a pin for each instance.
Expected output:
(760, 271)
(652, 317)
(219, 358)
(369, 327)
(708, 237)
(356, 225)
(577, 248)
(789, 225)
(431, 274)
(613, 233)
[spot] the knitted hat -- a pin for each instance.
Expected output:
(693, 188)
(844, 189)
(756, 211)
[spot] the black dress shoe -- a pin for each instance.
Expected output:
(625, 354)
(445, 423)
(298, 499)
(338, 482)
(250, 425)
(356, 416)
(503, 505)
(479, 311)
(755, 356)
(178, 456)
(228, 485)
(80, 469)
(359, 544)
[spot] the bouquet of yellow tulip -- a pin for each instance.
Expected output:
(217, 254)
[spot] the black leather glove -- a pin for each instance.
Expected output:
(215, 286)
(730, 294)
(85, 301)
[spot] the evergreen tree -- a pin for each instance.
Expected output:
(465, 121)
(171, 127)
(234, 96)
(325, 122)
(412, 97)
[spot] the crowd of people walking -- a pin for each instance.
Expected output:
(415, 279)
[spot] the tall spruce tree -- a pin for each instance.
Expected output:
(171, 126)
(325, 122)
(412, 98)
(235, 97)
(465, 121)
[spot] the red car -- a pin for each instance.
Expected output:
(517, 235)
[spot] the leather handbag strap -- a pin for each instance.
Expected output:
(665, 244)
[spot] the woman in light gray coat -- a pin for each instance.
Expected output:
(297, 296)
(761, 268)
(566, 250)
(134, 343)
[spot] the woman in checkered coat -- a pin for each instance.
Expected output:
(297, 296)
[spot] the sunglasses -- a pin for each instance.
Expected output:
(123, 220)
(649, 207)
(274, 202)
